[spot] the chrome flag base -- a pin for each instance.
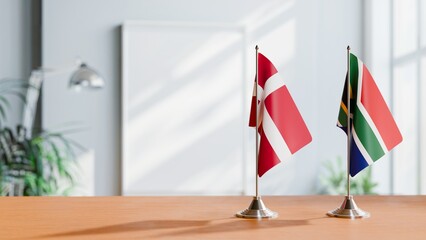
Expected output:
(348, 209)
(257, 209)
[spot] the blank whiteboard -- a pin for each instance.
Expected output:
(183, 118)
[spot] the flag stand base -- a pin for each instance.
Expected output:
(348, 209)
(257, 209)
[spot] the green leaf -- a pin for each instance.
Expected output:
(30, 182)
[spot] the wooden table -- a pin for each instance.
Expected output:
(301, 217)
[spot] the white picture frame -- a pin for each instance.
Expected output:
(184, 108)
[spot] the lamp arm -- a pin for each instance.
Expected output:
(32, 97)
(48, 71)
(33, 93)
(83, 76)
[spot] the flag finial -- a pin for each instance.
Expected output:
(257, 47)
(349, 48)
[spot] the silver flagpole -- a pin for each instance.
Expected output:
(257, 208)
(348, 209)
(348, 131)
(257, 122)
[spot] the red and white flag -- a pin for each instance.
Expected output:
(281, 127)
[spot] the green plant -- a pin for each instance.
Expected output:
(41, 165)
(33, 166)
(335, 177)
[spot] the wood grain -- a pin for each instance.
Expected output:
(300, 217)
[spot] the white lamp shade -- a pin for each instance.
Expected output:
(86, 77)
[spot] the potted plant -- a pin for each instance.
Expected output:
(37, 165)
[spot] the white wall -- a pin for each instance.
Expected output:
(393, 38)
(306, 40)
(15, 47)
(378, 59)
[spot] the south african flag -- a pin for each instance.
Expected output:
(373, 129)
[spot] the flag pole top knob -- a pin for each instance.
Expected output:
(349, 48)
(257, 47)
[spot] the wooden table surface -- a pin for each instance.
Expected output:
(300, 217)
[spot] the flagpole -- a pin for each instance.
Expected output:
(257, 208)
(348, 148)
(348, 209)
(257, 127)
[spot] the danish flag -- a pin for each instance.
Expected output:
(281, 127)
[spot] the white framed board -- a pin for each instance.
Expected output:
(184, 109)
